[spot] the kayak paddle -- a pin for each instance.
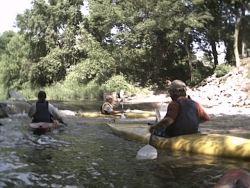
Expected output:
(18, 96)
(148, 151)
(122, 97)
(158, 115)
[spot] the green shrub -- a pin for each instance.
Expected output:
(92, 91)
(200, 72)
(222, 70)
(71, 90)
(117, 83)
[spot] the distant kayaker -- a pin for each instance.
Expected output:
(42, 111)
(183, 114)
(108, 108)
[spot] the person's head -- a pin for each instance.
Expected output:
(109, 98)
(177, 89)
(41, 96)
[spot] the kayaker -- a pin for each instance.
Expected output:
(108, 108)
(42, 111)
(183, 114)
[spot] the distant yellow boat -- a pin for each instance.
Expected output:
(209, 144)
(135, 114)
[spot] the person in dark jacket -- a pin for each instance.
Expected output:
(183, 114)
(42, 111)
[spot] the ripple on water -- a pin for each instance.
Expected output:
(87, 154)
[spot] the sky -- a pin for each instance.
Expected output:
(8, 12)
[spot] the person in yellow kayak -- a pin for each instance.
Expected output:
(183, 114)
(108, 107)
(42, 111)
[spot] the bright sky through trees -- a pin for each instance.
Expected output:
(8, 11)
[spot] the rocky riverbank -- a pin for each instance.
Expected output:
(229, 94)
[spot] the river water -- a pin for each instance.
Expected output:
(86, 154)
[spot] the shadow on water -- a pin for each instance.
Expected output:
(87, 154)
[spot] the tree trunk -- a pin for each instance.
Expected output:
(214, 51)
(243, 34)
(189, 59)
(236, 35)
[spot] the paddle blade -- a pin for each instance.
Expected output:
(122, 97)
(123, 116)
(147, 152)
(122, 94)
(158, 115)
(16, 95)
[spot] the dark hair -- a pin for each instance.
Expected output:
(41, 94)
(177, 94)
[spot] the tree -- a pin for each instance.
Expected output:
(16, 65)
(151, 35)
(4, 40)
(211, 34)
(98, 65)
(51, 29)
(153, 40)
(233, 14)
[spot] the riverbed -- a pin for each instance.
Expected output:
(86, 154)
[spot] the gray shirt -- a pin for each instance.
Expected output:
(53, 111)
(108, 109)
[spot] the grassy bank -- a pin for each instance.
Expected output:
(74, 91)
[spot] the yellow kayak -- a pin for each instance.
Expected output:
(139, 114)
(209, 144)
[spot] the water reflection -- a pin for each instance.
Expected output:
(86, 154)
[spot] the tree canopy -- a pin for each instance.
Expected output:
(145, 41)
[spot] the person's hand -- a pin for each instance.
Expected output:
(61, 121)
(64, 123)
(152, 128)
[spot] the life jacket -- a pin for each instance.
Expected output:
(42, 113)
(102, 107)
(187, 122)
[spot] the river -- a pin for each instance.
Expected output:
(86, 154)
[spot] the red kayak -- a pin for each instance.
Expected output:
(235, 179)
(42, 127)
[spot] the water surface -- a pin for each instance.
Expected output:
(87, 154)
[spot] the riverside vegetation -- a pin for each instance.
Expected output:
(72, 55)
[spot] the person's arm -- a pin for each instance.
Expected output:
(203, 115)
(61, 121)
(118, 104)
(116, 112)
(32, 110)
(165, 122)
(108, 109)
(55, 113)
(172, 112)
